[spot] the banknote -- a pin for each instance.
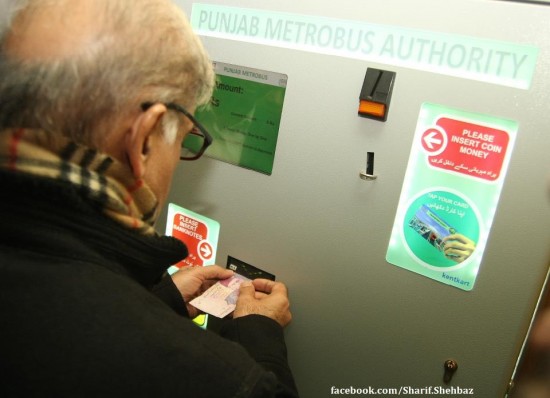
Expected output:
(220, 299)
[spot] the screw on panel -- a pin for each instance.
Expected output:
(450, 367)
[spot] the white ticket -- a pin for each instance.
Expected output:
(220, 299)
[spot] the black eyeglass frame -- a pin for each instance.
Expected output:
(197, 126)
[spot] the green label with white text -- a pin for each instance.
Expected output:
(454, 177)
(467, 57)
(244, 116)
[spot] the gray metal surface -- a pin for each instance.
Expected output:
(360, 321)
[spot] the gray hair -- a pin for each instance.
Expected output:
(146, 52)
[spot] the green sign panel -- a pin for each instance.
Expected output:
(200, 235)
(467, 57)
(455, 174)
(244, 116)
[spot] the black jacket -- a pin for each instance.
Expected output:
(79, 318)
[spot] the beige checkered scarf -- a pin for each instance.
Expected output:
(101, 178)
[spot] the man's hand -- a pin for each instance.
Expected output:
(264, 297)
(193, 281)
(458, 247)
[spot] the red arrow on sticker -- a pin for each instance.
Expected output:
(434, 140)
(205, 250)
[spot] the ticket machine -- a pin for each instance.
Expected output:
(389, 162)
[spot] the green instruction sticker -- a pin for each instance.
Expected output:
(200, 235)
(454, 177)
(244, 116)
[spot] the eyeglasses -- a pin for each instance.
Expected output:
(196, 141)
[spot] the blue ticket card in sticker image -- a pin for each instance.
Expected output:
(431, 227)
(247, 270)
(437, 227)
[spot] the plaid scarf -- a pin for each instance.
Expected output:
(99, 177)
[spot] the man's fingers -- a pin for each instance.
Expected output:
(264, 297)
(268, 286)
(246, 290)
(260, 295)
(215, 272)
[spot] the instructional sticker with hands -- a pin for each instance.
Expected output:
(454, 177)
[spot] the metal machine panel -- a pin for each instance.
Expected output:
(358, 320)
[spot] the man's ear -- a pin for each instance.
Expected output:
(138, 138)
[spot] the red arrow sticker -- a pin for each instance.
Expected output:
(205, 250)
(466, 148)
(192, 232)
(434, 141)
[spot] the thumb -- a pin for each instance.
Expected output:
(246, 289)
(245, 302)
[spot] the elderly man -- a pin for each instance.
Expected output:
(96, 97)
